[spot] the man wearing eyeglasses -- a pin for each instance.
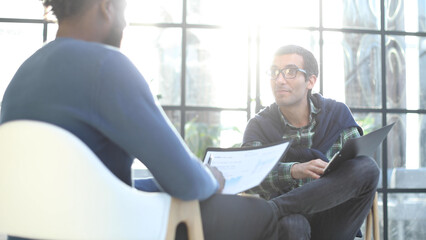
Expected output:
(310, 206)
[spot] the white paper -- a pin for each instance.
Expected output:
(245, 168)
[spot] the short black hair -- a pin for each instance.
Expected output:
(309, 61)
(65, 8)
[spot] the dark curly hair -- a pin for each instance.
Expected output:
(65, 8)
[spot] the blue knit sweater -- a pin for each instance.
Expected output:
(266, 127)
(95, 92)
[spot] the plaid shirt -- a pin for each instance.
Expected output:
(279, 180)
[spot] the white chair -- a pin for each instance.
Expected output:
(52, 186)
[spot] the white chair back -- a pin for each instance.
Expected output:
(52, 186)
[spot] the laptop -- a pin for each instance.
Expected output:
(363, 146)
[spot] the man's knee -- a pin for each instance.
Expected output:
(294, 226)
(362, 171)
(370, 171)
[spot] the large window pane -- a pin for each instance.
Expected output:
(18, 41)
(405, 15)
(267, 12)
(218, 12)
(364, 14)
(29, 9)
(396, 141)
(370, 122)
(301, 13)
(158, 11)
(422, 132)
(157, 54)
(217, 67)
(271, 39)
(422, 68)
(352, 69)
(405, 146)
(407, 216)
(408, 178)
(404, 69)
(205, 129)
(175, 118)
(52, 28)
(422, 16)
(396, 72)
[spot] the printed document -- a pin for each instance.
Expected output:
(244, 168)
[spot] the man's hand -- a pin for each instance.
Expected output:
(219, 177)
(312, 169)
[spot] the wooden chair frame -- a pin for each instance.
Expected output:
(373, 221)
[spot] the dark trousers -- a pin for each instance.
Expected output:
(332, 207)
(235, 217)
(232, 217)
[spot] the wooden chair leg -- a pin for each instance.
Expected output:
(375, 209)
(368, 225)
(187, 212)
(373, 221)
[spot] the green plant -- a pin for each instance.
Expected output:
(367, 123)
(199, 136)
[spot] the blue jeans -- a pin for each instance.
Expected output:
(332, 207)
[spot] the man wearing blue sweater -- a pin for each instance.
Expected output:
(307, 205)
(82, 83)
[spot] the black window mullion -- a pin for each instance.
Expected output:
(321, 49)
(45, 31)
(183, 70)
(249, 59)
(384, 117)
(258, 102)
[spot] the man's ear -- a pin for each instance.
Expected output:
(107, 9)
(311, 81)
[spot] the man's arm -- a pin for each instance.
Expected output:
(289, 175)
(312, 169)
(346, 134)
(315, 168)
(278, 180)
(130, 116)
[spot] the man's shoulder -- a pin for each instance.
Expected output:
(76, 47)
(264, 127)
(265, 117)
(268, 111)
(327, 104)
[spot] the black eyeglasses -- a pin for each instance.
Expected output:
(288, 73)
